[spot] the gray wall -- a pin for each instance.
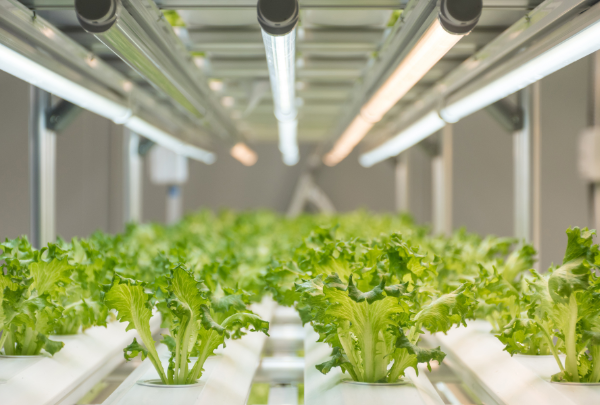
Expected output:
(14, 163)
(564, 196)
(482, 176)
(229, 184)
(483, 166)
(420, 184)
(88, 169)
(85, 159)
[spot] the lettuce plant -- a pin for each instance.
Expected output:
(83, 305)
(371, 302)
(197, 327)
(32, 283)
(563, 312)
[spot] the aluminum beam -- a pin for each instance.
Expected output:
(402, 182)
(304, 4)
(236, 4)
(442, 165)
(526, 143)
(42, 170)
(132, 185)
(594, 121)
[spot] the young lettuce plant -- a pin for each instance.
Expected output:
(32, 283)
(563, 311)
(375, 334)
(196, 327)
(373, 327)
(83, 302)
(500, 289)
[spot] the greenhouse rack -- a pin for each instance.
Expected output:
(226, 380)
(477, 356)
(335, 388)
(64, 378)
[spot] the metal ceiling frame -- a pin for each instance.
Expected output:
(147, 43)
(304, 4)
(36, 39)
(546, 26)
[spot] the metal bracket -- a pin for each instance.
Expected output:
(144, 146)
(432, 146)
(59, 117)
(507, 114)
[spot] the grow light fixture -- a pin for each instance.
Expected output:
(46, 79)
(576, 39)
(583, 43)
(278, 19)
(40, 76)
(409, 137)
(455, 20)
(243, 154)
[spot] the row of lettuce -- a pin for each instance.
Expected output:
(370, 285)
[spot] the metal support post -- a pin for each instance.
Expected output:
(174, 204)
(402, 179)
(594, 121)
(133, 165)
(526, 143)
(442, 184)
(42, 170)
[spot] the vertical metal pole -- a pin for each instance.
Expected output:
(594, 121)
(448, 162)
(522, 172)
(42, 170)
(133, 166)
(441, 167)
(401, 174)
(527, 159)
(174, 204)
(536, 132)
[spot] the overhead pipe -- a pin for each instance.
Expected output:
(428, 32)
(278, 20)
(555, 34)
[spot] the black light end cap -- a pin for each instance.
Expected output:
(278, 17)
(96, 16)
(460, 16)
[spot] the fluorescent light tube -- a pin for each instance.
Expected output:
(288, 142)
(353, 135)
(432, 46)
(278, 21)
(576, 47)
(31, 72)
(243, 154)
(412, 135)
(147, 130)
(281, 57)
